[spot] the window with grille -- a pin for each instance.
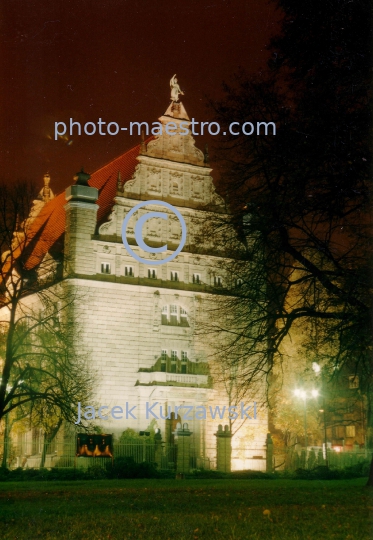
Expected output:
(353, 381)
(173, 315)
(174, 276)
(173, 361)
(350, 431)
(350, 408)
(152, 273)
(338, 432)
(183, 317)
(128, 271)
(184, 361)
(197, 278)
(164, 360)
(36, 441)
(105, 268)
(217, 281)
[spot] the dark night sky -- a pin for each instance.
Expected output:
(113, 59)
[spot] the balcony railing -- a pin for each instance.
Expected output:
(164, 377)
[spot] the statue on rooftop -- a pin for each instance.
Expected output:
(175, 89)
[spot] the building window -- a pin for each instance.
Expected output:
(197, 278)
(338, 432)
(183, 317)
(105, 268)
(164, 360)
(239, 282)
(174, 276)
(350, 408)
(36, 447)
(173, 361)
(173, 315)
(184, 361)
(353, 381)
(165, 315)
(152, 273)
(350, 431)
(217, 281)
(128, 271)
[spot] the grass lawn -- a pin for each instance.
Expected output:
(186, 509)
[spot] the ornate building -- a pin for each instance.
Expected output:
(139, 322)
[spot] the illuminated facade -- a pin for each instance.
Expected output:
(139, 322)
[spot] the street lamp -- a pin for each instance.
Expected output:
(304, 395)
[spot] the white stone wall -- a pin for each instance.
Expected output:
(120, 312)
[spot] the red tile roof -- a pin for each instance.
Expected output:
(48, 228)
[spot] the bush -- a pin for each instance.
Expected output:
(234, 475)
(4, 474)
(324, 473)
(126, 467)
(96, 472)
(206, 474)
(19, 474)
(68, 473)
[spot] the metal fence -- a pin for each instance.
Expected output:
(300, 458)
(62, 454)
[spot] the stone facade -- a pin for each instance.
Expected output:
(138, 321)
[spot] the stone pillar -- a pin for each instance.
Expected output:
(269, 453)
(223, 449)
(182, 439)
(158, 453)
(81, 219)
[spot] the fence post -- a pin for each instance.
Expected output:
(158, 447)
(269, 453)
(223, 449)
(183, 449)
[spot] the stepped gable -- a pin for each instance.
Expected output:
(51, 219)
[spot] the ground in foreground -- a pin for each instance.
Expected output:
(186, 510)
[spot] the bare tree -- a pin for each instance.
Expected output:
(300, 195)
(42, 372)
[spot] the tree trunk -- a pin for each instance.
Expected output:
(370, 478)
(5, 451)
(6, 442)
(48, 438)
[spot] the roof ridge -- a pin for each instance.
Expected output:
(123, 153)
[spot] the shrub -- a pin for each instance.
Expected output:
(126, 467)
(324, 473)
(4, 474)
(66, 473)
(96, 472)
